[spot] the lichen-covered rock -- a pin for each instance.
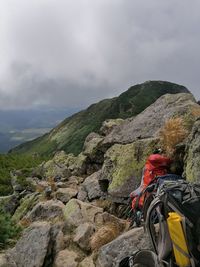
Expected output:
(123, 166)
(83, 234)
(109, 125)
(112, 253)
(148, 123)
(77, 212)
(64, 165)
(192, 159)
(92, 187)
(58, 166)
(79, 166)
(31, 249)
(48, 210)
(92, 147)
(26, 204)
(66, 258)
(65, 194)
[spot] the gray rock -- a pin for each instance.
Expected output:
(109, 125)
(48, 210)
(192, 158)
(82, 194)
(92, 147)
(56, 242)
(66, 258)
(58, 166)
(148, 123)
(31, 249)
(112, 253)
(83, 234)
(91, 186)
(77, 212)
(65, 194)
(123, 167)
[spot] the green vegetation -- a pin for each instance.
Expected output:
(71, 133)
(12, 162)
(8, 229)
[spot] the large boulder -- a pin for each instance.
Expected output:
(64, 165)
(91, 186)
(83, 234)
(58, 166)
(31, 249)
(148, 123)
(192, 159)
(112, 253)
(92, 147)
(123, 166)
(79, 166)
(77, 212)
(65, 194)
(48, 210)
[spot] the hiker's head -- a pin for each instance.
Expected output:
(157, 151)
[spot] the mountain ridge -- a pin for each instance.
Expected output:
(70, 134)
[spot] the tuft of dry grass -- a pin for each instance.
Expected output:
(25, 222)
(104, 235)
(172, 134)
(39, 188)
(52, 183)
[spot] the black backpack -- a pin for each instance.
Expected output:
(181, 198)
(141, 258)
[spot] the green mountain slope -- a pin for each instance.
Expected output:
(71, 133)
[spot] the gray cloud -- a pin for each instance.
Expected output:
(72, 53)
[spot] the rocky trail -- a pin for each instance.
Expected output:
(70, 209)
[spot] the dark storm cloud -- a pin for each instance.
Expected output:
(72, 53)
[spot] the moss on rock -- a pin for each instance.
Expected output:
(192, 158)
(26, 204)
(124, 163)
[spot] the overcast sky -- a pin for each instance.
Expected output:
(72, 53)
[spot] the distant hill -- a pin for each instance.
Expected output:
(19, 126)
(70, 134)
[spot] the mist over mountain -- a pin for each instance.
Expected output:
(18, 126)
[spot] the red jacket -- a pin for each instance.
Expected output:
(156, 165)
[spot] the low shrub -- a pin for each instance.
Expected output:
(8, 229)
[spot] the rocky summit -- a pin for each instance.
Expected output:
(69, 208)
